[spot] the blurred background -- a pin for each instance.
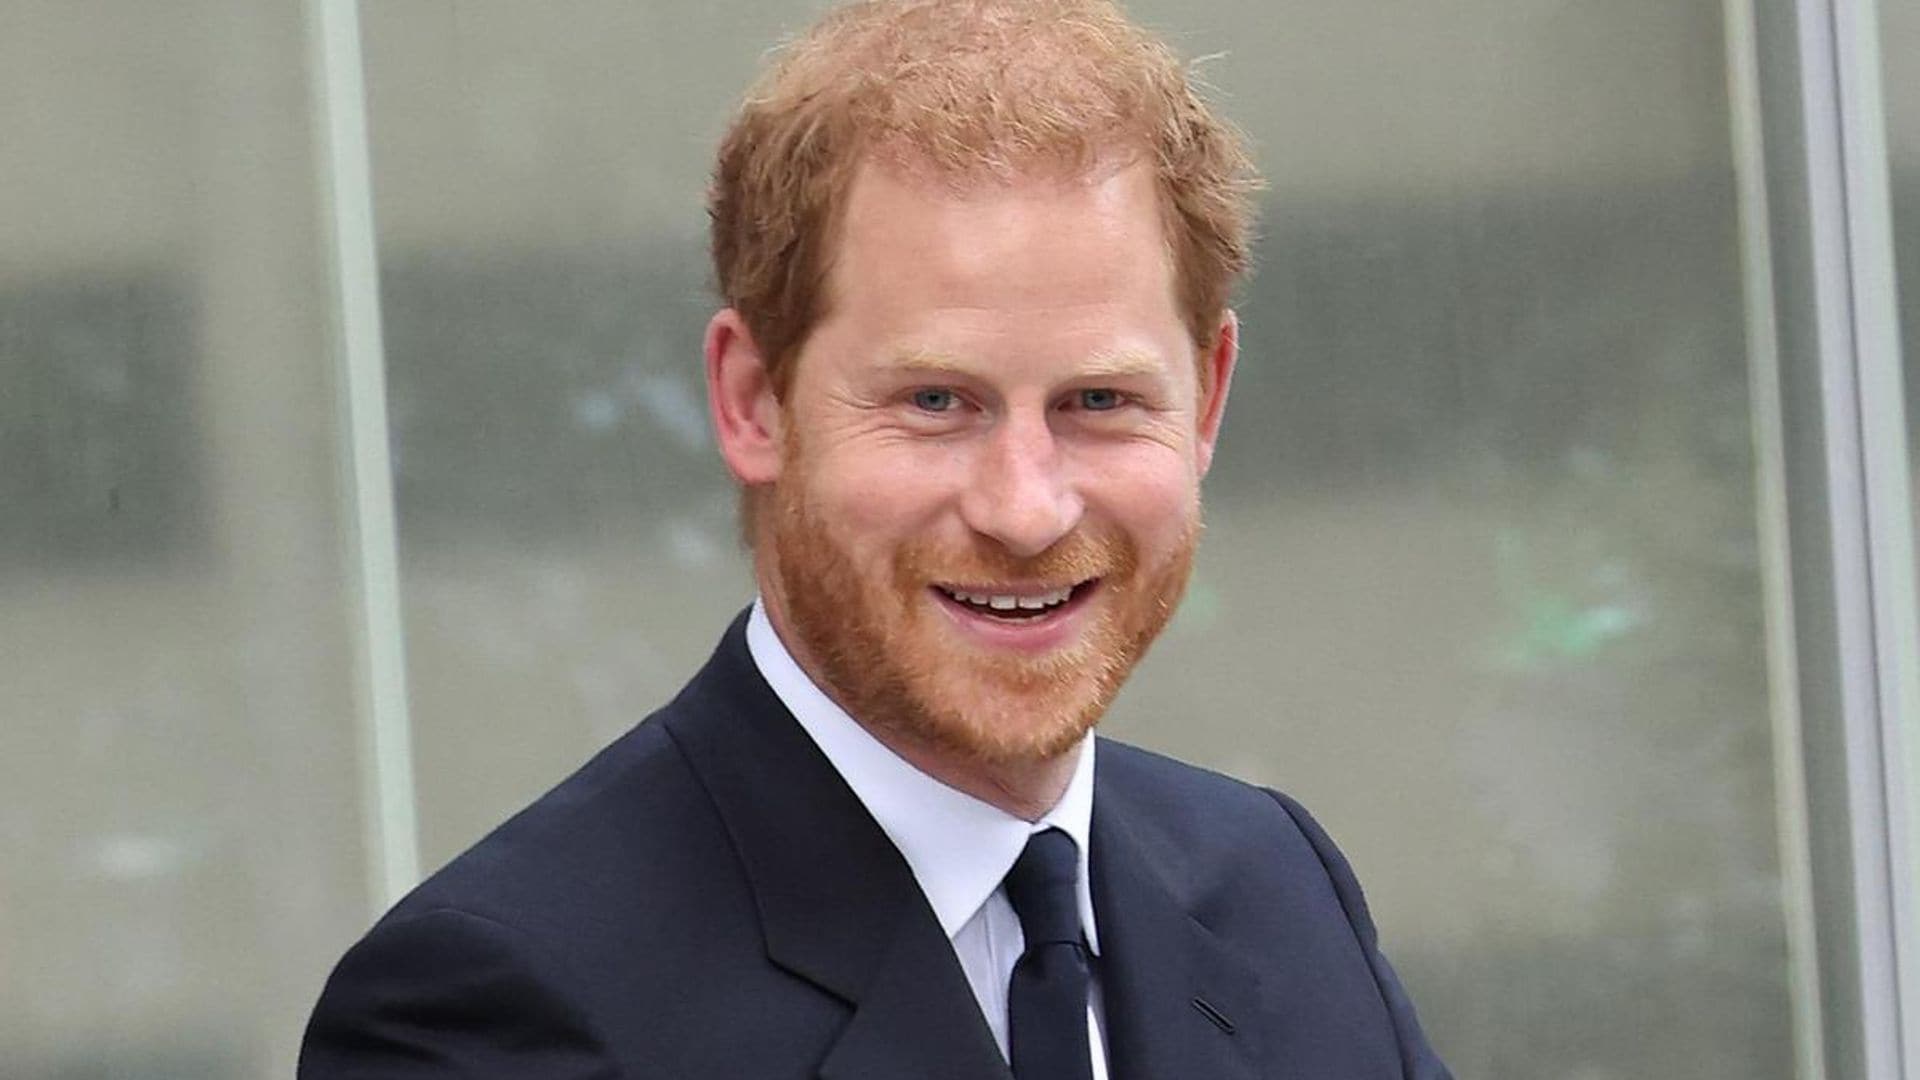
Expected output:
(1492, 578)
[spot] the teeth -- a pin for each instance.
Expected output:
(1007, 602)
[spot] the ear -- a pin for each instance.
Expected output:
(746, 414)
(1218, 366)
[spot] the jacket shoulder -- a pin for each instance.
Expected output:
(1253, 865)
(1225, 838)
(1187, 807)
(595, 833)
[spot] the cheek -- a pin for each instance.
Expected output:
(877, 499)
(1152, 505)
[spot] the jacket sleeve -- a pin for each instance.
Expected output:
(449, 994)
(1418, 1061)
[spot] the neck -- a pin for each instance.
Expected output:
(1025, 789)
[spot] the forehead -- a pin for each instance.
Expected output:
(1049, 240)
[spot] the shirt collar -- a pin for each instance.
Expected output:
(958, 847)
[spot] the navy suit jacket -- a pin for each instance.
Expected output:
(707, 898)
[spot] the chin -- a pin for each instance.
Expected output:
(1008, 729)
(998, 709)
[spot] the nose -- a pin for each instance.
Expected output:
(1020, 494)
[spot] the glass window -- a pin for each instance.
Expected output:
(178, 789)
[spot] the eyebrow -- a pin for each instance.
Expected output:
(1119, 363)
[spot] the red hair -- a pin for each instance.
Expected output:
(971, 89)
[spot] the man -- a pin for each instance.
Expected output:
(976, 349)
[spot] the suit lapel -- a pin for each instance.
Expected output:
(918, 1018)
(838, 905)
(1179, 1002)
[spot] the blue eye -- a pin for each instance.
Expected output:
(935, 400)
(1099, 400)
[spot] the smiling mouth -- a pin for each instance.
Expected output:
(1025, 605)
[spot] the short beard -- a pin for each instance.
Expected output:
(873, 643)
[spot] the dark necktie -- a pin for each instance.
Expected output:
(1047, 999)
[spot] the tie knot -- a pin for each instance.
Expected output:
(1041, 887)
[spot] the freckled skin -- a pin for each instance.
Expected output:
(1003, 393)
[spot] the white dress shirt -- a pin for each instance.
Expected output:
(958, 847)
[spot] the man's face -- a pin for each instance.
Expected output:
(988, 496)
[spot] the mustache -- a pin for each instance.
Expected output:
(1079, 556)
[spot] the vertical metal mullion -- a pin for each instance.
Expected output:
(1834, 319)
(384, 722)
(1885, 483)
(1770, 483)
(1835, 315)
